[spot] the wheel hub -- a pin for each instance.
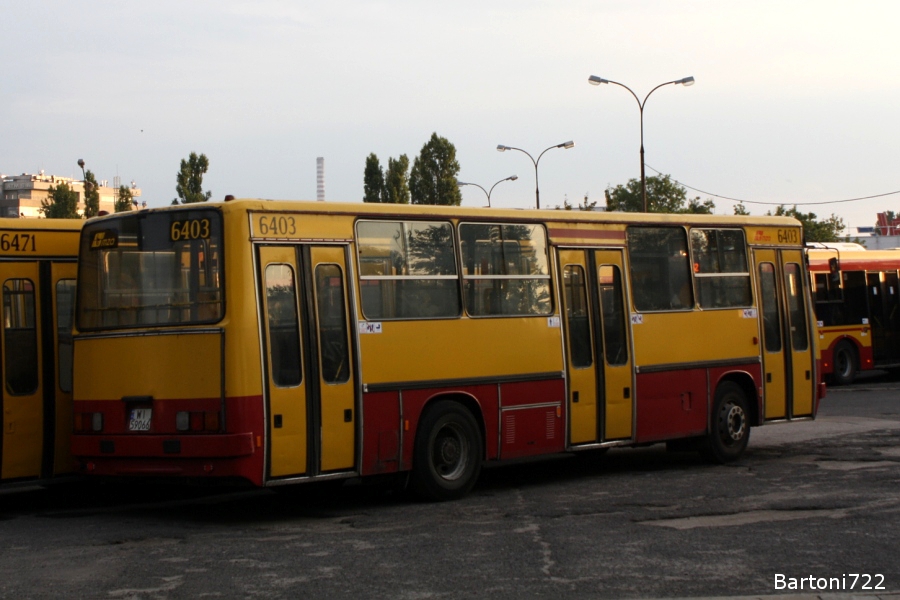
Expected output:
(735, 423)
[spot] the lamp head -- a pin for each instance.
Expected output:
(594, 80)
(81, 162)
(567, 145)
(686, 81)
(513, 177)
(502, 148)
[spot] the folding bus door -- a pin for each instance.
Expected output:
(58, 431)
(21, 400)
(310, 375)
(598, 349)
(787, 350)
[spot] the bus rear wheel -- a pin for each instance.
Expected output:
(729, 430)
(845, 366)
(448, 452)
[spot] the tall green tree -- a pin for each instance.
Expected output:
(373, 180)
(91, 195)
(663, 196)
(396, 181)
(124, 200)
(190, 180)
(61, 203)
(814, 230)
(434, 172)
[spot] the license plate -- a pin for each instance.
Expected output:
(139, 419)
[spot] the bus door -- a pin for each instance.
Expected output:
(601, 402)
(310, 374)
(892, 315)
(59, 431)
(22, 448)
(878, 311)
(787, 353)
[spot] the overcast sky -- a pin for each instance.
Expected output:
(794, 101)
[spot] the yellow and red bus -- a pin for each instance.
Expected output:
(283, 342)
(857, 299)
(37, 271)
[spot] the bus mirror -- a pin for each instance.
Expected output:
(834, 266)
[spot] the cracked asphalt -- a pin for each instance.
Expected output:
(816, 499)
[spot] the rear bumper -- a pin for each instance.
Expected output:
(232, 445)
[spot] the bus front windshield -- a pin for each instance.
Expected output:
(151, 269)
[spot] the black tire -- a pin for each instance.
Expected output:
(845, 364)
(448, 453)
(729, 430)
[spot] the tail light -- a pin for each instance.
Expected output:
(201, 420)
(88, 422)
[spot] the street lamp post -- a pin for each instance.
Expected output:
(488, 192)
(85, 183)
(537, 189)
(686, 81)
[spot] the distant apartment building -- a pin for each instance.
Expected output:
(22, 195)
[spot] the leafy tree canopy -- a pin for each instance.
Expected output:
(125, 199)
(61, 203)
(190, 180)
(585, 205)
(663, 196)
(396, 181)
(373, 180)
(740, 209)
(434, 172)
(814, 229)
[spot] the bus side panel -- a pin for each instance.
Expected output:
(381, 433)
(858, 336)
(532, 420)
(526, 420)
(749, 375)
(671, 404)
(415, 401)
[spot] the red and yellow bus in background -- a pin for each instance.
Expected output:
(857, 300)
(37, 272)
(284, 342)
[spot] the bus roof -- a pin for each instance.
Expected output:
(854, 260)
(407, 210)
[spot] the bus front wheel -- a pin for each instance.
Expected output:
(448, 452)
(844, 364)
(729, 429)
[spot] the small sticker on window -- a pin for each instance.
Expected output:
(637, 319)
(749, 313)
(367, 327)
(552, 321)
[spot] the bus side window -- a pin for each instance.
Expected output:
(769, 301)
(330, 310)
(577, 316)
(614, 330)
(20, 337)
(660, 268)
(284, 332)
(65, 310)
(796, 309)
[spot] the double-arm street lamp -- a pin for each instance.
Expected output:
(488, 192)
(537, 189)
(594, 80)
